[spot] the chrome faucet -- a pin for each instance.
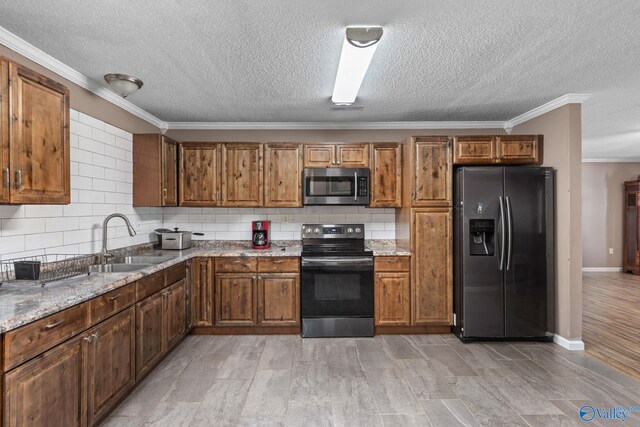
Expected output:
(104, 254)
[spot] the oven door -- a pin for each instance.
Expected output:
(347, 186)
(336, 287)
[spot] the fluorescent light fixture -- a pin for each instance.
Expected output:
(359, 45)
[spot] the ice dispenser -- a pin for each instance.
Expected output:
(482, 242)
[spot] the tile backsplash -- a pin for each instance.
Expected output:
(101, 183)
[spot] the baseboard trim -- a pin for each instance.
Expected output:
(601, 269)
(573, 345)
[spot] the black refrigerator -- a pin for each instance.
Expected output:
(504, 262)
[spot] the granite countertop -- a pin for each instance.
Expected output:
(22, 303)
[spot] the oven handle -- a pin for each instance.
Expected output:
(355, 187)
(337, 261)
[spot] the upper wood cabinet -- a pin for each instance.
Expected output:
(283, 175)
(432, 268)
(34, 132)
(386, 176)
(242, 175)
(507, 149)
(336, 155)
(428, 171)
(155, 170)
(199, 174)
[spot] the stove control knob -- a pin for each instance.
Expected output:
(358, 230)
(316, 231)
(349, 230)
(307, 230)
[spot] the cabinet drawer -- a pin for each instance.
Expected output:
(149, 285)
(112, 303)
(175, 273)
(392, 263)
(30, 340)
(278, 264)
(236, 264)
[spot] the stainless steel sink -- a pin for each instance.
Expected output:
(116, 268)
(143, 259)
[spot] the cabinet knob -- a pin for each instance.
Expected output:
(338, 162)
(164, 192)
(18, 179)
(5, 172)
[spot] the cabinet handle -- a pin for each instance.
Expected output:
(18, 179)
(54, 324)
(164, 192)
(115, 297)
(278, 261)
(7, 182)
(96, 335)
(392, 261)
(236, 261)
(88, 338)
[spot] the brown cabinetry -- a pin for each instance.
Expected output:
(278, 295)
(386, 176)
(175, 300)
(283, 175)
(34, 137)
(202, 283)
(199, 174)
(48, 390)
(392, 291)
(242, 175)
(432, 270)
(428, 171)
(109, 360)
(507, 149)
(336, 156)
(154, 170)
(150, 333)
(235, 299)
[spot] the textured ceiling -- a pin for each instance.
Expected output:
(275, 60)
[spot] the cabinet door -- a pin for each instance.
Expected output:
(199, 174)
(242, 175)
(431, 276)
(352, 155)
(150, 333)
(431, 183)
(392, 299)
(235, 299)
(202, 292)
(519, 149)
(474, 150)
(175, 312)
(283, 175)
(48, 390)
(278, 300)
(5, 174)
(386, 180)
(319, 155)
(169, 172)
(110, 363)
(39, 138)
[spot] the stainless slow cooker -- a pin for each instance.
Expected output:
(175, 239)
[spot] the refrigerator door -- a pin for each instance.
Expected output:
(529, 200)
(481, 280)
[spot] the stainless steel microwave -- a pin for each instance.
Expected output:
(336, 186)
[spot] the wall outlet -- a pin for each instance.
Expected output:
(610, 251)
(286, 218)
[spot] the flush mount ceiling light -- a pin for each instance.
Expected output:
(359, 45)
(123, 84)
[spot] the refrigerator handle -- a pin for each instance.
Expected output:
(502, 234)
(510, 228)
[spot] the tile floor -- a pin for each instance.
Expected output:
(391, 380)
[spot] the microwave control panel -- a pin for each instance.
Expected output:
(362, 186)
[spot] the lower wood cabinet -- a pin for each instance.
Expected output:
(432, 270)
(392, 299)
(202, 291)
(175, 300)
(235, 299)
(109, 358)
(278, 299)
(150, 334)
(48, 390)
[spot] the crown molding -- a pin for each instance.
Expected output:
(569, 98)
(36, 55)
(332, 125)
(625, 160)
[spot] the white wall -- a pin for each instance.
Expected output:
(101, 183)
(286, 223)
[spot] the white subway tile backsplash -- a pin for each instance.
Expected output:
(90, 121)
(104, 161)
(42, 241)
(80, 129)
(90, 171)
(43, 211)
(22, 226)
(61, 224)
